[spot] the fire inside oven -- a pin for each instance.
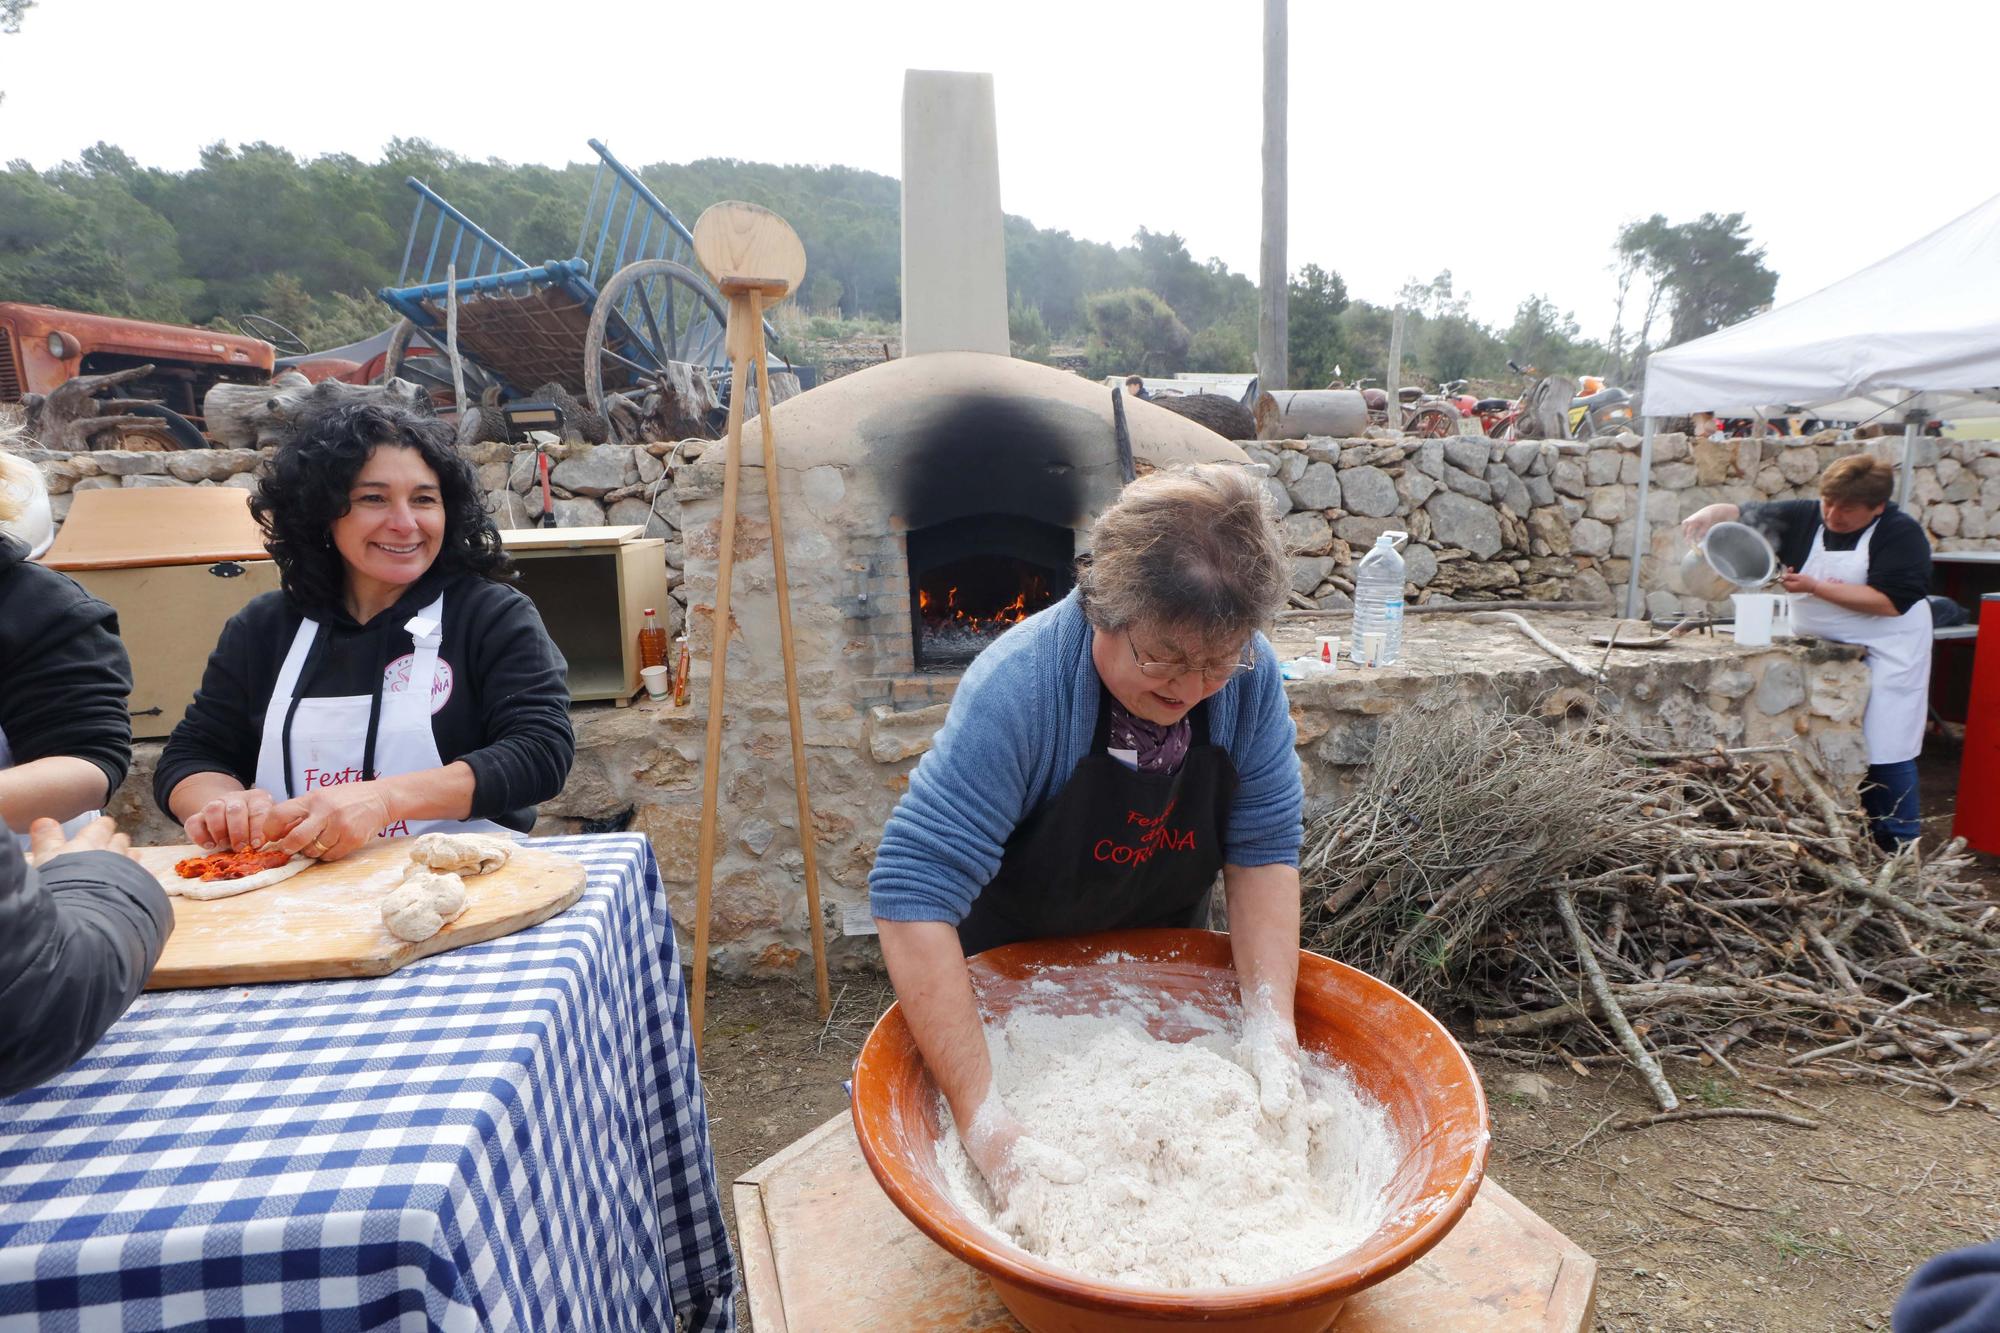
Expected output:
(972, 578)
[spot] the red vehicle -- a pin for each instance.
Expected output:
(41, 347)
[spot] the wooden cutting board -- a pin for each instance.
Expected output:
(326, 921)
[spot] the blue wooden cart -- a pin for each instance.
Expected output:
(602, 323)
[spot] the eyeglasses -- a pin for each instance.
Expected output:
(1170, 670)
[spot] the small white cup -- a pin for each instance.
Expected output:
(656, 681)
(1328, 649)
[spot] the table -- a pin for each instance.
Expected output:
(824, 1251)
(508, 1136)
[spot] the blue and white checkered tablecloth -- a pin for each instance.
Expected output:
(511, 1135)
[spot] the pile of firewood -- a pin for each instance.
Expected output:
(1584, 897)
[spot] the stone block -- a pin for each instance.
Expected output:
(1350, 739)
(1368, 491)
(675, 832)
(1464, 483)
(132, 463)
(1468, 455)
(1713, 463)
(1607, 504)
(1674, 476)
(1309, 571)
(1318, 487)
(1430, 459)
(594, 469)
(1280, 498)
(1360, 533)
(1628, 467)
(1306, 533)
(1457, 520)
(1589, 536)
(579, 513)
(1420, 564)
(1521, 455)
(1600, 466)
(1569, 478)
(1731, 682)
(1660, 604)
(1413, 488)
(1589, 586)
(1551, 529)
(1292, 465)
(1837, 691)
(636, 512)
(1541, 491)
(1770, 481)
(1798, 466)
(894, 737)
(1782, 689)
(1663, 507)
(1670, 447)
(151, 479)
(1943, 520)
(1508, 488)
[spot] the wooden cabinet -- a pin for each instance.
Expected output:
(592, 587)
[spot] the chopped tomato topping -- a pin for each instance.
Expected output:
(230, 865)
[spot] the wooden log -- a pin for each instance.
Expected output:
(73, 418)
(1294, 414)
(683, 405)
(1219, 412)
(260, 416)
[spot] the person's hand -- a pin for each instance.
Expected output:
(46, 840)
(1006, 1153)
(1269, 1049)
(232, 821)
(1797, 582)
(329, 822)
(1696, 525)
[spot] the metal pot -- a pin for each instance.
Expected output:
(1732, 558)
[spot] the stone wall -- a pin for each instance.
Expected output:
(1543, 521)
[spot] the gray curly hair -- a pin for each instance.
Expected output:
(1189, 549)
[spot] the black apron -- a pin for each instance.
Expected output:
(1114, 848)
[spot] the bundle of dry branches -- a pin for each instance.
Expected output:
(1587, 897)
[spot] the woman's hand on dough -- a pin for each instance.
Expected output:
(330, 822)
(234, 820)
(1270, 1051)
(1005, 1152)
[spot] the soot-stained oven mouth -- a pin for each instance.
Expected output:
(973, 577)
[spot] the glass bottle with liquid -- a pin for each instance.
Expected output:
(681, 674)
(652, 642)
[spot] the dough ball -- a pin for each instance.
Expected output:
(419, 907)
(460, 853)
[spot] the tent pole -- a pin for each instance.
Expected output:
(1912, 424)
(1632, 601)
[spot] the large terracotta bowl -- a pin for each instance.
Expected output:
(1395, 1051)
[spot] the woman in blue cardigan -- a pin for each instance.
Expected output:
(1102, 762)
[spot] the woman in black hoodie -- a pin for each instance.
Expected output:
(65, 732)
(394, 685)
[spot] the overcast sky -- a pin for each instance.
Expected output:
(1506, 142)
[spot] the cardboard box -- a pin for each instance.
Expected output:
(176, 562)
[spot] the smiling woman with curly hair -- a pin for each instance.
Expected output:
(395, 684)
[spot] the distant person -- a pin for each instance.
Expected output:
(1953, 1293)
(1859, 571)
(80, 931)
(1136, 387)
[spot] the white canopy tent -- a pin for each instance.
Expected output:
(1911, 338)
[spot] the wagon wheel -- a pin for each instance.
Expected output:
(431, 373)
(1434, 421)
(651, 312)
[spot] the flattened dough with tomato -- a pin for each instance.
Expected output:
(226, 874)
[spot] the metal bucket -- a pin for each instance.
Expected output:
(1732, 558)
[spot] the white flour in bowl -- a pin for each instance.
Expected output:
(1187, 1183)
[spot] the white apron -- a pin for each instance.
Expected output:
(330, 736)
(1899, 650)
(70, 830)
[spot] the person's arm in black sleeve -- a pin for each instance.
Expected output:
(1899, 564)
(78, 937)
(524, 712)
(68, 683)
(214, 735)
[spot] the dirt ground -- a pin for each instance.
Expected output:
(1733, 1225)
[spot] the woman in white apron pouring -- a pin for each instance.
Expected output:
(65, 728)
(1859, 571)
(393, 686)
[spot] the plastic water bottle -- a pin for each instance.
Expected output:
(1378, 603)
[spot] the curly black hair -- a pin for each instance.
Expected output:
(304, 486)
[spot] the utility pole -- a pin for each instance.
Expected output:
(1273, 352)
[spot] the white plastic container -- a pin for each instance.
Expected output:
(1378, 603)
(1762, 616)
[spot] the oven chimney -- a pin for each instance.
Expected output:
(954, 255)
